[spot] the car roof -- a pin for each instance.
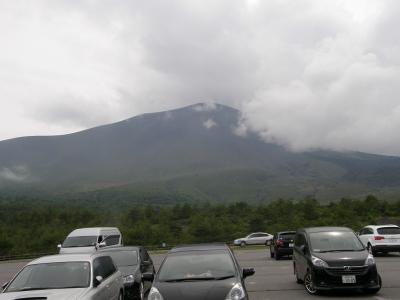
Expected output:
(199, 247)
(92, 231)
(380, 226)
(325, 229)
(283, 232)
(125, 248)
(65, 258)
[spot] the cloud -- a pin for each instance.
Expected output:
(15, 174)
(210, 123)
(207, 106)
(307, 74)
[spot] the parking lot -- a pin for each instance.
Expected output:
(275, 280)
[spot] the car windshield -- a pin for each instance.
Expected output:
(287, 236)
(389, 230)
(124, 258)
(52, 276)
(197, 265)
(335, 241)
(80, 241)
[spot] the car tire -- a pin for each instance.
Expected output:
(309, 284)
(298, 280)
(242, 244)
(272, 253)
(374, 291)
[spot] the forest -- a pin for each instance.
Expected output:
(30, 227)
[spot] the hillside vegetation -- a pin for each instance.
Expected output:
(38, 227)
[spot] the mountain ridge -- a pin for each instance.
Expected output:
(193, 149)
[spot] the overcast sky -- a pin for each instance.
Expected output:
(306, 74)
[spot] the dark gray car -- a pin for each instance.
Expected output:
(206, 272)
(132, 262)
(327, 258)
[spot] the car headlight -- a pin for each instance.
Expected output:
(154, 294)
(318, 262)
(129, 279)
(236, 293)
(370, 260)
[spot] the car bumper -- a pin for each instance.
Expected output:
(284, 251)
(331, 278)
(386, 248)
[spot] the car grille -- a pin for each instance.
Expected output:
(348, 270)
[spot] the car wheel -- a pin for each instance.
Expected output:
(242, 244)
(374, 291)
(298, 280)
(309, 284)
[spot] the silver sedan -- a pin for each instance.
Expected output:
(69, 276)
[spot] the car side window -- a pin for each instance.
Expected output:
(112, 240)
(146, 256)
(103, 266)
(362, 232)
(369, 231)
(299, 240)
(251, 236)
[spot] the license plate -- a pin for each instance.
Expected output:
(349, 279)
(291, 245)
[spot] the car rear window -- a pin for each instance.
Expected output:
(287, 236)
(389, 230)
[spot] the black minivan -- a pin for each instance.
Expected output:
(326, 258)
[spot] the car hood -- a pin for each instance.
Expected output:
(77, 250)
(57, 294)
(128, 270)
(345, 258)
(196, 290)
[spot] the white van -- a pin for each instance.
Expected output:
(87, 240)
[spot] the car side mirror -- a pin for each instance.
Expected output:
(98, 280)
(148, 276)
(248, 272)
(101, 245)
(4, 285)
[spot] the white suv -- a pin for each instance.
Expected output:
(381, 238)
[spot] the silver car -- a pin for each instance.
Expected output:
(67, 276)
(257, 238)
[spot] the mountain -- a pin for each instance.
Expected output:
(191, 152)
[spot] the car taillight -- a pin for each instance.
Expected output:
(279, 243)
(378, 238)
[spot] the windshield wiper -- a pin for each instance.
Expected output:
(33, 289)
(339, 250)
(190, 279)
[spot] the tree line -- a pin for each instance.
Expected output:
(26, 227)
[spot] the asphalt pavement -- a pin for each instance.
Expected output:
(275, 279)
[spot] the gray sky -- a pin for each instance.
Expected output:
(306, 74)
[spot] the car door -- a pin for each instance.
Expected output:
(367, 235)
(112, 282)
(100, 292)
(146, 265)
(299, 256)
(251, 239)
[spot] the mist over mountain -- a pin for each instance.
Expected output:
(196, 151)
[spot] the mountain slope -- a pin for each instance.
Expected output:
(193, 150)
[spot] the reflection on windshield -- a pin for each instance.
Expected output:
(197, 265)
(124, 258)
(80, 241)
(335, 241)
(52, 276)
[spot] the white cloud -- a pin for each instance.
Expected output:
(210, 123)
(306, 74)
(16, 174)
